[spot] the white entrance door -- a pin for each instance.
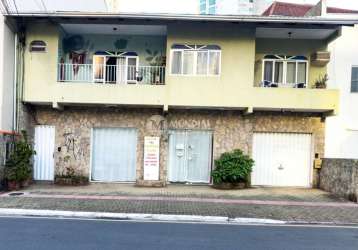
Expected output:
(190, 156)
(282, 159)
(132, 69)
(114, 154)
(121, 70)
(44, 157)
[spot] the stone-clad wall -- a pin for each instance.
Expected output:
(340, 177)
(230, 130)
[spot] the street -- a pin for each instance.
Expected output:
(46, 233)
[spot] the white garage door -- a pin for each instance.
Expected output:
(114, 154)
(282, 159)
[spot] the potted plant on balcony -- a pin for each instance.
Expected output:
(321, 82)
(18, 168)
(232, 170)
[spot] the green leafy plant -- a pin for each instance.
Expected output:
(19, 165)
(154, 58)
(232, 167)
(321, 82)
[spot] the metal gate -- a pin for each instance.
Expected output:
(114, 154)
(44, 157)
(190, 154)
(282, 159)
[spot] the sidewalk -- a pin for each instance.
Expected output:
(286, 204)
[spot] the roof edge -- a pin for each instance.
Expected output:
(191, 17)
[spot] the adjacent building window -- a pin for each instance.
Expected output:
(37, 46)
(208, 7)
(195, 59)
(290, 70)
(354, 80)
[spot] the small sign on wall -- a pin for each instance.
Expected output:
(151, 158)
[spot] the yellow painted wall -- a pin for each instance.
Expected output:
(40, 77)
(237, 65)
(234, 88)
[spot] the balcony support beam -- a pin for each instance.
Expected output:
(165, 109)
(249, 111)
(57, 106)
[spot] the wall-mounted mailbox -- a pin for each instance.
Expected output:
(317, 163)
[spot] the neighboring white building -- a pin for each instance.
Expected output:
(342, 130)
(233, 7)
(7, 62)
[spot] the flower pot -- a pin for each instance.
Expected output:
(239, 185)
(26, 183)
(13, 185)
(228, 185)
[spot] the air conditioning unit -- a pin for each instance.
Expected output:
(320, 58)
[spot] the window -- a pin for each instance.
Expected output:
(37, 46)
(354, 82)
(195, 60)
(286, 70)
(207, 7)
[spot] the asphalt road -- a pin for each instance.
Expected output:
(53, 234)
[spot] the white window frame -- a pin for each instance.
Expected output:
(207, 7)
(284, 60)
(350, 90)
(195, 61)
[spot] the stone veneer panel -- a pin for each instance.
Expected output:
(340, 177)
(230, 130)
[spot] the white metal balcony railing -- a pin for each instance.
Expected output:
(112, 74)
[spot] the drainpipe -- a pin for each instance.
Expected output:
(14, 113)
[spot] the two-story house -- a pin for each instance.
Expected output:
(154, 99)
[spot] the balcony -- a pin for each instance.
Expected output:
(111, 74)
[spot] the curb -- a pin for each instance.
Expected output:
(134, 216)
(15, 212)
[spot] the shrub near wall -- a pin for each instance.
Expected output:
(232, 170)
(340, 177)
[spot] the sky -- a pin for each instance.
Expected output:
(151, 6)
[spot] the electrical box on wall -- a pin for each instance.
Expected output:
(320, 58)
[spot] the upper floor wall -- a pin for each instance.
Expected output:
(235, 85)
